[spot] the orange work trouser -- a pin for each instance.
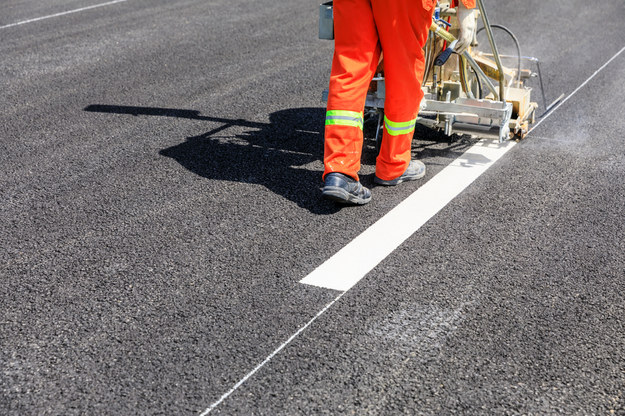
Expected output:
(362, 29)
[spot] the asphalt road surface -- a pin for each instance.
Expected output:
(160, 203)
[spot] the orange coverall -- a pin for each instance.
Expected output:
(362, 30)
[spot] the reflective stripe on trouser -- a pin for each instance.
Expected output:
(344, 118)
(362, 28)
(343, 142)
(395, 150)
(395, 128)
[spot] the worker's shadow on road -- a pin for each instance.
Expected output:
(284, 155)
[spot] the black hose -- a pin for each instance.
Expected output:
(479, 84)
(516, 41)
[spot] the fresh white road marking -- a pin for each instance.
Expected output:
(343, 270)
(61, 14)
(468, 158)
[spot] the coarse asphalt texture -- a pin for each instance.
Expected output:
(160, 201)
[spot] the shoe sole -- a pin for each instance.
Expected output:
(398, 180)
(340, 195)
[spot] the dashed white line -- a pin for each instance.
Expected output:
(36, 19)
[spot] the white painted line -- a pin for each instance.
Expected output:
(343, 270)
(61, 14)
(475, 161)
(578, 88)
(348, 266)
(273, 354)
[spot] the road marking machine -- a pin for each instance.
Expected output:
(472, 93)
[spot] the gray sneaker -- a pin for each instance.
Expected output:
(415, 170)
(345, 190)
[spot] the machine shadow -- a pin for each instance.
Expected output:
(277, 155)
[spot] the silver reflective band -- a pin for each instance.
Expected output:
(344, 118)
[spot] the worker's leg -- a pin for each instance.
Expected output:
(356, 56)
(403, 29)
